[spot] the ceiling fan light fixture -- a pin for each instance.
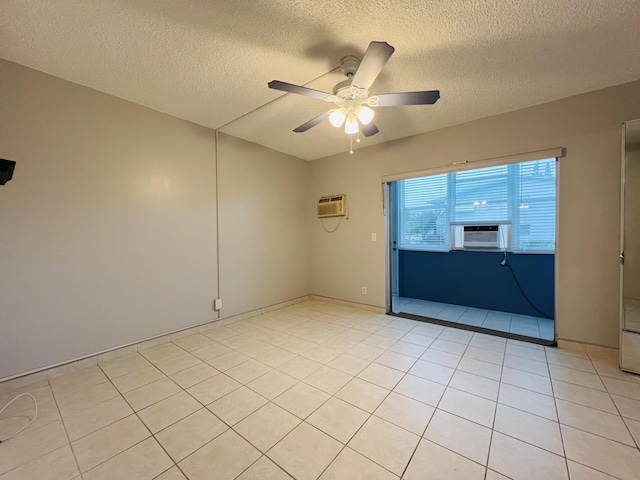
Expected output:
(365, 114)
(337, 117)
(351, 125)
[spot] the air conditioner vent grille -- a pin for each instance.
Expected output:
(332, 206)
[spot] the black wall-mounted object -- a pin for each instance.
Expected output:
(6, 170)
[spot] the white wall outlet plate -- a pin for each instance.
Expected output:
(217, 304)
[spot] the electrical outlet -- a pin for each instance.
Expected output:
(217, 304)
(364, 290)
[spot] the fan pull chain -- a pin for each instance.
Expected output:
(351, 139)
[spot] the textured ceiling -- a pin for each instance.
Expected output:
(209, 61)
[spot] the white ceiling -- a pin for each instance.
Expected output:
(209, 61)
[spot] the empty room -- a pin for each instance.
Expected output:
(319, 240)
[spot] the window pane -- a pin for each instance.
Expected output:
(481, 195)
(423, 218)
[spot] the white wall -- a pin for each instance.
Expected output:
(263, 215)
(589, 126)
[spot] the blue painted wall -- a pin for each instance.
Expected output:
(476, 279)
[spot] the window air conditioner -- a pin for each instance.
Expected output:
(481, 237)
(332, 206)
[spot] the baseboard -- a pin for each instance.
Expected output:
(361, 306)
(68, 366)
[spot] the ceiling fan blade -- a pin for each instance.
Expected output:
(428, 97)
(291, 88)
(312, 123)
(377, 54)
(369, 130)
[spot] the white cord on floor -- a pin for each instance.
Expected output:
(35, 403)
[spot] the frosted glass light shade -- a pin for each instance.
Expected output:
(365, 114)
(351, 125)
(337, 117)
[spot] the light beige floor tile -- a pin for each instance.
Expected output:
(459, 435)
(491, 475)
(488, 342)
(122, 365)
(162, 352)
(248, 371)
(228, 360)
(40, 391)
(417, 339)
(517, 459)
(409, 349)
(448, 346)
(338, 419)
(580, 472)
(622, 388)
(85, 398)
(237, 405)
(151, 393)
(321, 353)
(634, 429)
(528, 401)
(305, 452)
(490, 356)
(189, 434)
(350, 465)
(441, 358)
(299, 367)
(386, 444)
(366, 352)
(272, 384)
(109, 441)
(420, 389)
(57, 465)
(466, 405)
(526, 365)
(526, 380)
(276, 357)
(570, 361)
(211, 351)
(219, 332)
(301, 399)
(478, 367)
(607, 456)
(456, 335)
(77, 380)
(264, 469)
(168, 411)
(379, 341)
(190, 376)
(328, 379)
(213, 388)
(146, 460)
(480, 386)
(526, 352)
(405, 412)
(601, 423)
(433, 372)
(137, 379)
(441, 464)
(382, 376)
(21, 413)
(362, 394)
(396, 360)
(628, 407)
(349, 364)
(95, 418)
(529, 428)
(391, 333)
(224, 458)
(267, 426)
(193, 342)
(177, 364)
(570, 375)
(173, 473)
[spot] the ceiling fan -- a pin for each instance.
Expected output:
(351, 96)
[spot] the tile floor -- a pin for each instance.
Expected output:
(319, 390)
(502, 321)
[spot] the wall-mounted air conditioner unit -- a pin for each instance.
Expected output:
(332, 206)
(481, 237)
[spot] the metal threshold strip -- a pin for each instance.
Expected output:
(473, 328)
